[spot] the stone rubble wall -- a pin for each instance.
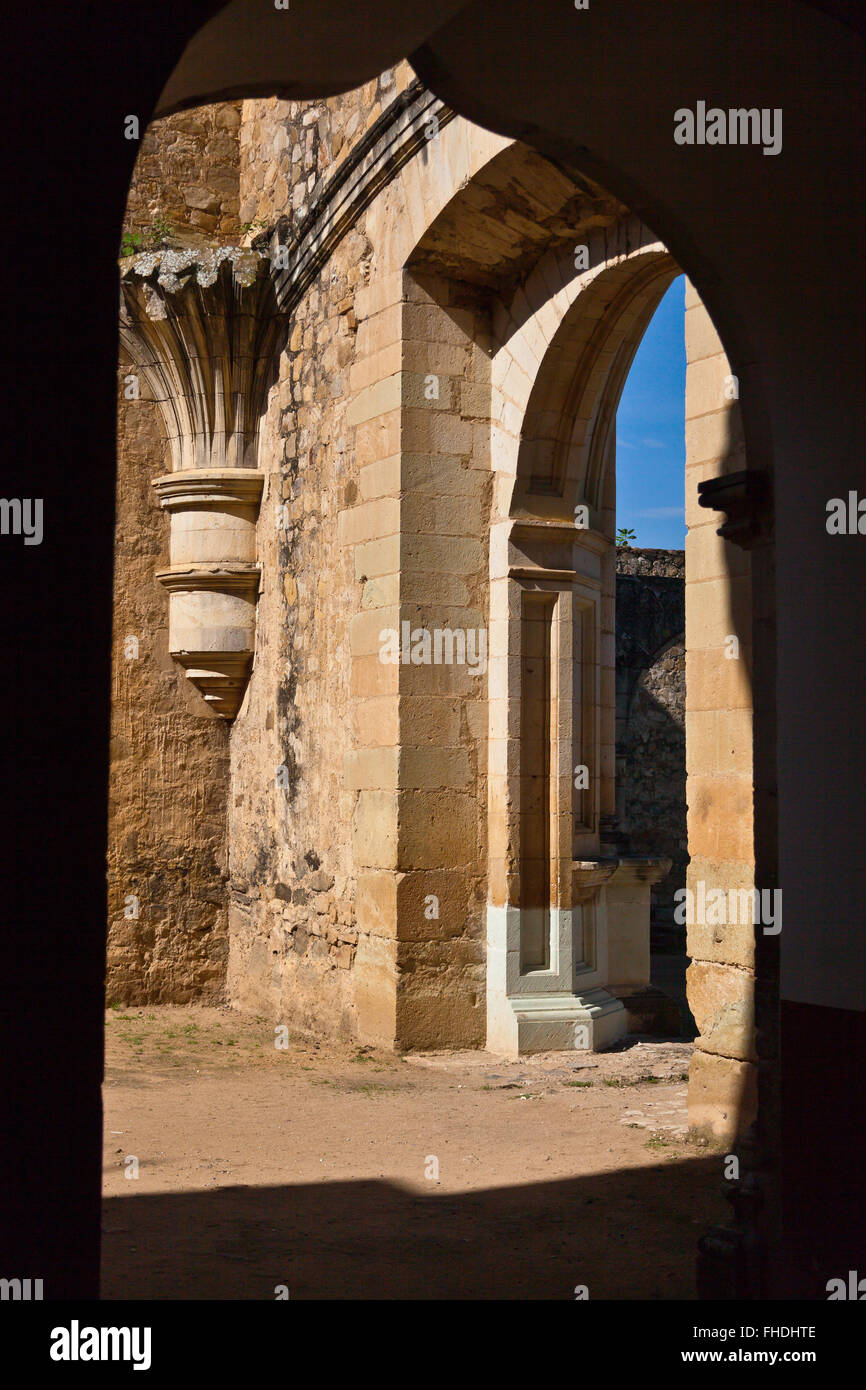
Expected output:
(288, 147)
(293, 930)
(651, 737)
(187, 171)
(169, 752)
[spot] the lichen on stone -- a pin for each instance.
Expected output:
(203, 261)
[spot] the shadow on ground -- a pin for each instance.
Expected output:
(626, 1235)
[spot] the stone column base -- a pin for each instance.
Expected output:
(587, 1022)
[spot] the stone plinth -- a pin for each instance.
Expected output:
(599, 951)
(628, 898)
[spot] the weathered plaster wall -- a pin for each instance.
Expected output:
(169, 770)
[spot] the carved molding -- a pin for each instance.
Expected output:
(213, 579)
(202, 327)
(201, 487)
(221, 678)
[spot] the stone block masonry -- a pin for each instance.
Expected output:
(720, 980)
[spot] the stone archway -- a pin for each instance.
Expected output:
(731, 226)
(583, 910)
(560, 315)
(487, 305)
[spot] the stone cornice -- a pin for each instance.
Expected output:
(562, 532)
(588, 875)
(637, 870)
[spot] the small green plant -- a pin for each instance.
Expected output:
(582, 1084)
(625, 537)
(258, 224)
(147, 239)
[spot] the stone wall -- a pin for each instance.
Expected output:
(187, 172)
(169, 770)
(293, 930)
(330, 871)
(719, 787)
(357, 785)
(287, 148)
(651, 736)
(361, 793)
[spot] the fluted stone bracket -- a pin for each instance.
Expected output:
(203, 328)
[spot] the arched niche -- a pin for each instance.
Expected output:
(568, 917)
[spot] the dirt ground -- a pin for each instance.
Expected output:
(326, 1170)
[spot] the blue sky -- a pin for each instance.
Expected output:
(650, 431)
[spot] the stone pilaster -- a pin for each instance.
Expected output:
(719, 759)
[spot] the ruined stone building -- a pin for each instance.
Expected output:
(382, 749)
(392, 403)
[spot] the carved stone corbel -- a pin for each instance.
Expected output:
(745, 499)
(212, 604)
(203, 327)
